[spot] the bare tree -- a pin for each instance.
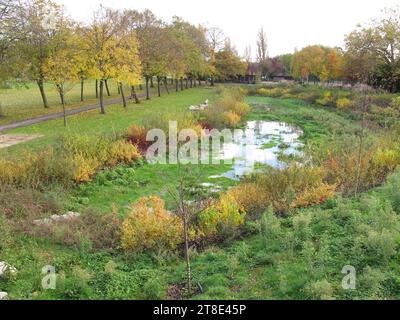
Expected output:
(216, 38)
(364, 106)
(262, 51)
(247, 54)
(187, 209)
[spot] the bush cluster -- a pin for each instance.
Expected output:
(76, 159)
(227, 111)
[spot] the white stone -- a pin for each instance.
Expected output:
(6, 268)
(43, 222)
(207, 185)
(3, 296)
(194, 108)
(57, 218)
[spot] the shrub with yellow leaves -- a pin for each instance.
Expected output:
(230, 119)
(223, 216)
(121, 151)
(149, 226)
(250, 197)
(343, 103)
(314, 196)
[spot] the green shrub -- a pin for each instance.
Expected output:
(153, 289)
(270, 226)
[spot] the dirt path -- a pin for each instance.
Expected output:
(28, 122)
(8, 140)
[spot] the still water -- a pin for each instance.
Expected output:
(265, 143)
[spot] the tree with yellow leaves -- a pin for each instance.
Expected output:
(101, 45)
(127, 66)
(62, 69)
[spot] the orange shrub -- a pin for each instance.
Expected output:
(250, 197)
(150, 226)
(137, 136)
(122, 152)
(315, 195)
(230, 119)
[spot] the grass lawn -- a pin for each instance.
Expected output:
(117, 118)
(24, 102)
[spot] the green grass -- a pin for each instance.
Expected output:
(303, 259)
(294, 263)
(21, 102)
(116, 120)
(316, 122)
(124, 185)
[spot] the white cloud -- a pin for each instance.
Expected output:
(289, 24)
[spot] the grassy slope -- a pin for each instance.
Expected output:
(24, 102)
(117, 118)
(286, 267)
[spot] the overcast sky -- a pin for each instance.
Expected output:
(289, 24)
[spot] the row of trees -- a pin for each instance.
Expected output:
(38, 42)
(371, 56)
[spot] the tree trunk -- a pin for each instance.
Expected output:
(177, 84)
(158, 86)
(82, 84)
(97, 89)
(102, 109)
(194, 82)
(186, 83)
(166, 84)
(191, 82)
(212, 81)
(121, 90)
(118, 89)
(361, 147)
(151, 82)
(181, 84)
(107, 89)
(147, 89)
(199, 83)
(140, 87)
(61, 93)
(187, 257)
(134, 95)
(42, 93)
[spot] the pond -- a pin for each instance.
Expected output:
(265, 143)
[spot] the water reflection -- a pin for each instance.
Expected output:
(264, 143)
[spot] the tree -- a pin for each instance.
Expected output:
(127, 64)
(11, 32)
(101, 46)
(373, 52)
(286, 60)
(187, 210)
(149, 31)
(247, 54)
(45, 28)
(216, 39)
(262, 51)
(62, 69)
(315, 63)
(228, 64)
(195, 48)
